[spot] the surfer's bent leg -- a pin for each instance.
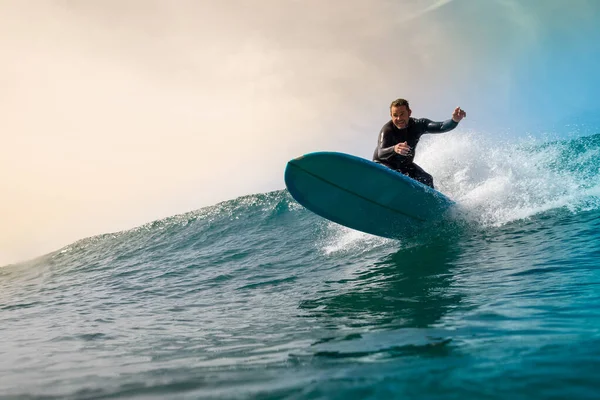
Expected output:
(415, 172)
(418, 174)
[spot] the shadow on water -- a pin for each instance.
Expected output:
(391, 307)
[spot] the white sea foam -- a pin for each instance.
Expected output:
(497, 182)
(342, 239)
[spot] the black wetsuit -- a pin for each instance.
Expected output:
(390, 135)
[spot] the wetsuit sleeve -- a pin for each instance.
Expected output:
(385, 145)
(438, 127)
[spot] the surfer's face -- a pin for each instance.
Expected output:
(400, 116)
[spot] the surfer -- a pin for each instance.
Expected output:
(399, 137)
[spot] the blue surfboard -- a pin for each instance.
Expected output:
(363, 195)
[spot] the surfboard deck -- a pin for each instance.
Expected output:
(363, 195)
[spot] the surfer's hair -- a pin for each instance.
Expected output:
(400, 103)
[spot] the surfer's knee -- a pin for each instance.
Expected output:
(420, 175)
(430, 181)
(427, 179)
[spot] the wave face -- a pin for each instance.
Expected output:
(259, 298)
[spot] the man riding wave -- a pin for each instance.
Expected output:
(399, 137)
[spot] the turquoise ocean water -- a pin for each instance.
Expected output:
(257, 297)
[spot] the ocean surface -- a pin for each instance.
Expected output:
(257, 297)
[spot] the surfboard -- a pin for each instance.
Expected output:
(363, 195)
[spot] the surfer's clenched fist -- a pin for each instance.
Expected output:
(458, 114)
(403, 149)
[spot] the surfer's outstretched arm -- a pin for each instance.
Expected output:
(448, 125)
(439, 127)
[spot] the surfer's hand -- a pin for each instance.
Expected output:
(458, 114)
(402, 148)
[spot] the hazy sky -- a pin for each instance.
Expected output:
(118, 112)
